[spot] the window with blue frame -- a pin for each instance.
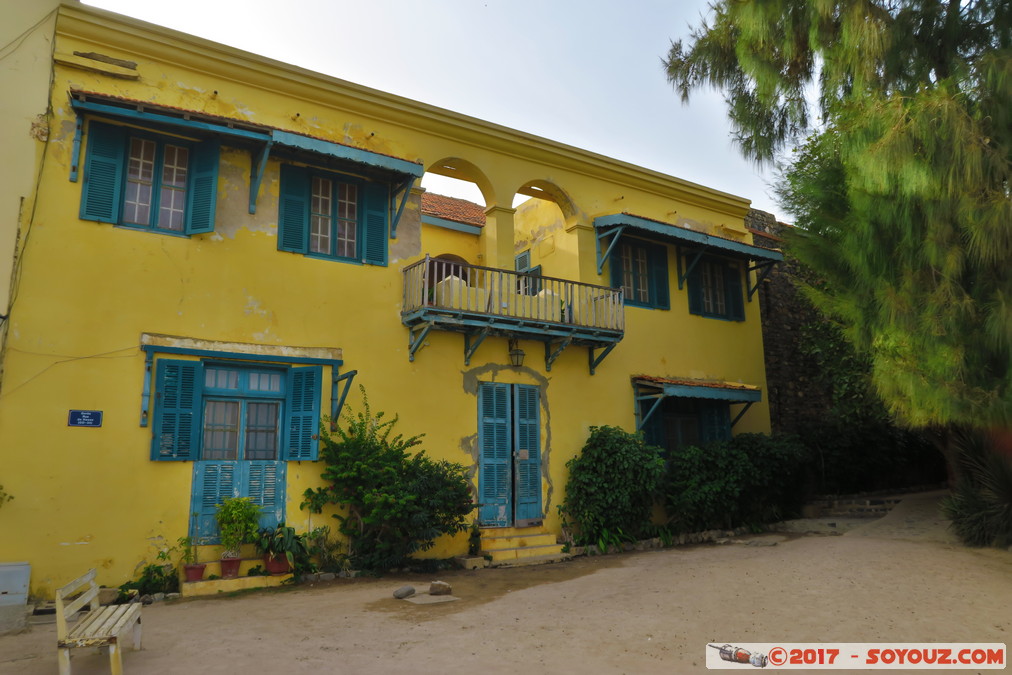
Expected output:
(715, 289)
(209, 411)
(150, 181)
(640, 269)
(682, 422)
(330, 215)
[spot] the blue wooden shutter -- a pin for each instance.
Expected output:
(494, 477)
(694, 286)
(377, 206)
(615, 264)
(527, 442)
(203, 187)
(522, 261)
(178, 386)
(293, 209)
(302, 419)
(265, 486)
(732, 291)
(715, 421)
(657, 257)
(103, 173)
(213, 482)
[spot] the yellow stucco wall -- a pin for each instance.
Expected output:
(92, 497)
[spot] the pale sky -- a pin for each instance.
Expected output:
(587, 73)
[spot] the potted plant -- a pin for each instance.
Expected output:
(238, 518)
(280, 546)
(193, 570)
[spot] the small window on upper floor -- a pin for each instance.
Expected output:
(640, 269)
(330, 215)
(149, 181)
(714, 286)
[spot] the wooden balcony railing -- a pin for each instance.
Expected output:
(434, 286)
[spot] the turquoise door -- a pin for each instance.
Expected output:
(509, 439)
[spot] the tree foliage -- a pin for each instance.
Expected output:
(900, 184)
(395, 503)
(611, 487)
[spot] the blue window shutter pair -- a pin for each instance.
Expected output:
(733, 301)
(657, 261)
(494, 480)
(104, 176)
(302, 421)
(179, 409)
(263, 482)
(293, 215)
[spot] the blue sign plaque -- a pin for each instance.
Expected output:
(85, 418)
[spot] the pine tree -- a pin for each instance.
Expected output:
(892, 124)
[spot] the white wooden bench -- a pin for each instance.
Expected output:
(100, 627)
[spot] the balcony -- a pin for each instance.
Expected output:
(482, 301)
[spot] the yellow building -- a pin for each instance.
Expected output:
(208, 246)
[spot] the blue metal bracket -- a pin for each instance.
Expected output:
(416, 339)
(642, 420)
(338, 401)
(471, 347)
(406, 189)
(75, 156)
(762, 271)
(596, 361)
(552, 352)
(256, 174)
(688, 270)
(146, 395)
(602, 257)
(748, 405)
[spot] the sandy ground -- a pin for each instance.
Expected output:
(902, 578)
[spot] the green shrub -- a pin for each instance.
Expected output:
(748, 480)
(611, 487)
(980, 506)
(395, 503)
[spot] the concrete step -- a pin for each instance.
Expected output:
(495, 542)
(521, 552)
(534, 560)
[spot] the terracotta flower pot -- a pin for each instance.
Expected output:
(194, 571)
(276, 564)
(230, 568)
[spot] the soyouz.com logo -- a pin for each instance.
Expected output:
(857, 655)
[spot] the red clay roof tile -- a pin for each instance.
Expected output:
(451, 208)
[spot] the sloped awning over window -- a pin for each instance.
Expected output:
(656, 389)
(262, 139)
(695, 243)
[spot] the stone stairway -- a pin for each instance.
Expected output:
(851, 507)
(519, 546)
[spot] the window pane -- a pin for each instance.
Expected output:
(320, 216)
(261, 430)
(140, 174)
(221, 378)
(172, 200)
(627, 271)
(642, 289)
(221, 430)
(347, 224)
(265, 382)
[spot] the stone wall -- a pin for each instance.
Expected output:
(795, 397)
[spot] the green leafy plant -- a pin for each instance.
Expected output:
(394, 503)
(188, 551)
(750, 479)
(325, 550)
(238, 522)
(611, 487)
(282, 541)
(258, 571)
(157, 577)
(980, 506)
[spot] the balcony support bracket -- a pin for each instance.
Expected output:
(596, 361)
(762, 270)
(470, 347)
(416, 339)
(552, 351)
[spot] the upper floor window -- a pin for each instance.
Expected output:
(333, 216)
(640, 269)
(714, 286)
(145, 180)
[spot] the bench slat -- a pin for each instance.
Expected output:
(68, 589)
